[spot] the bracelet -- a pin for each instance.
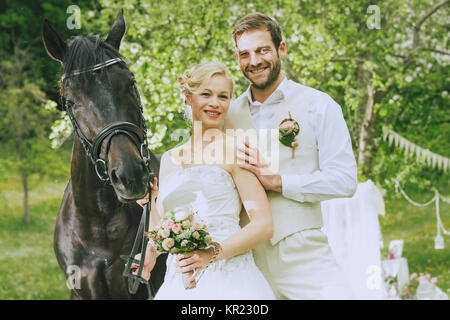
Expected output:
(217, 248)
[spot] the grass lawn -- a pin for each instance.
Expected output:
(28, 267)
(417, 227)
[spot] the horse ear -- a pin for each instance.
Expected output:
(54, 45)
(117, 31)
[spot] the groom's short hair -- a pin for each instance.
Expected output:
(256, 21)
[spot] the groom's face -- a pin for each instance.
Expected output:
(259, 60)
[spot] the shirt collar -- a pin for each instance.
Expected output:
(278, 95)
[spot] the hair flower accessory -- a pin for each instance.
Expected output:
(288, 130)
(182, 78)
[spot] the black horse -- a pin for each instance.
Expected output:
(99, 217)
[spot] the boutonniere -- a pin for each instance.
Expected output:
(288, 130)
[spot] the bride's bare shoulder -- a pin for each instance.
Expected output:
(170, 161)
(231, 146)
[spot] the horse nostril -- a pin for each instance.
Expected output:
(129, 178)
(114, 177)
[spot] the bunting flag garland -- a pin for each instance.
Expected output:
(426, 156)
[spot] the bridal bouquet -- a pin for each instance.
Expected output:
(180, 232)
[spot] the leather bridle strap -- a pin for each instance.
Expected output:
(131, 130)
(95, 67)
(140, 245)
(115, 128)
(136, 134)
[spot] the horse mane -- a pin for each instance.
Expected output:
(86, 51)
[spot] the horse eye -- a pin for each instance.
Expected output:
(72, 105)
(76, 105)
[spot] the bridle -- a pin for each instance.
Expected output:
(93, 148)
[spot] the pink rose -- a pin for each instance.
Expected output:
(391, 256)
(180, 79)
(197, 226)
(287, 125)
(414, 276)
(168, 243)
(176, 228)
(164, 233)
(167, 224)
(196, 235)
(186, 224)
(434, 280)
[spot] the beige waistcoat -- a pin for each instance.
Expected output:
(289, 216)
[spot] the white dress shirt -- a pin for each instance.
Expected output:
(337, 175)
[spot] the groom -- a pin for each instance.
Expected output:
(297, 261)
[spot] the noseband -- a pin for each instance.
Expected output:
(93, 148)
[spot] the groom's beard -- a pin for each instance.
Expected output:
(275, 70)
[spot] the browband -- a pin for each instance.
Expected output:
(92, 68)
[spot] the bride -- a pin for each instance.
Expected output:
(217, 192)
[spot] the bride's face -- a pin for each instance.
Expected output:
(210, 106)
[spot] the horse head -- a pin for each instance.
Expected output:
(101, 98)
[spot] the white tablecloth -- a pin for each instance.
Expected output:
(396, 268)
(354, 235)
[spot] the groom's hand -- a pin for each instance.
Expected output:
(250, 159)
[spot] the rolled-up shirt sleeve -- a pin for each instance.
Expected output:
(337, 174)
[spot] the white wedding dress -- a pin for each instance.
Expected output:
(210, 190)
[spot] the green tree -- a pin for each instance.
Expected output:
(386, 70)
(21, 20)
(27, 79)
(25, 123)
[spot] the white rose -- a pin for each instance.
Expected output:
(186, 234)
(181, 214)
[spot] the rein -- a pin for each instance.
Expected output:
(93, 149)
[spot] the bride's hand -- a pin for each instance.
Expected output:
(142, 202)
(154, 193)
(194, 261)
(149, 263)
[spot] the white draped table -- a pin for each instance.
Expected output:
(354, 235)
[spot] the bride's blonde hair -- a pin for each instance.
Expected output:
(194, 80)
